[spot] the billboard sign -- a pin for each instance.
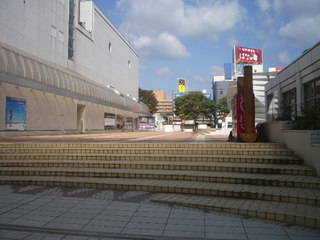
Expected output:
(276, 69)
(228, 70)
(247, 55)
(15, 114)
(182, 86)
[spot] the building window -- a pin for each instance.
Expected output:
(53, 31)
(312, 94)
(221, 91)
(289, 103)
(110, 47)
(61, 36)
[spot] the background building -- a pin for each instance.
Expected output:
(165, 106)
(65, 67)
(220, 86)
(259, 81)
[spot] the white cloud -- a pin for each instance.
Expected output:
(163, 47)
(233, 41)
(264, 5)
(200, 79)
(205, 18)
(299, 20)
(156, 27)
(302, 30)
(164, 71)
(302, 8)
(284, 57)
(277, 5)
(142, 67)
(216, 71)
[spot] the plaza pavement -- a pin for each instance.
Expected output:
(36, 212)
(156, 137)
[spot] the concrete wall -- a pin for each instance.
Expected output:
(37, 27)
(56, 112)
(34, 66)
(93, 59)
(41, 28)
(296, 140)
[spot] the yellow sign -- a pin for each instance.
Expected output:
(182, 86)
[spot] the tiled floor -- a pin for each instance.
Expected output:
(53, 213)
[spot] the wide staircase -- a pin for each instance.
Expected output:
(261, 180)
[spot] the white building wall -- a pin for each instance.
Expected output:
(41, 28)
(94, 60)
(38, 27)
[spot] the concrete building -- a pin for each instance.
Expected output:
(165, 106)
(296, 88)
(259, 81)
(220, 86)
(65, 68)
(295, 91)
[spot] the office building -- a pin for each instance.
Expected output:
(64, 67)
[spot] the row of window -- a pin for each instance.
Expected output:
(311, 98)
(312, 94)
(57, 34)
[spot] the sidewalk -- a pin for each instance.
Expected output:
(67, 213)
(142, 137)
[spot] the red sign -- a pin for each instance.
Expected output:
(240, 114)
(248, 55)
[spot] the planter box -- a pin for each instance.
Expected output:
(202, 126)
(188, 130)
(304, 143)
(168, 128)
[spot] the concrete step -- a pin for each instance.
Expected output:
(167, 165)
(225, 145)
(226, 176)
(198, 176)
(156, 157)
(290, 213)
(265, 193)
(166, 151)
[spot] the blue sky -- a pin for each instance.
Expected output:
(192, 39)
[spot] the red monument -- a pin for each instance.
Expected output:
(249, 134)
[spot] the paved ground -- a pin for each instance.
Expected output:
(120, 137)
(33, 212)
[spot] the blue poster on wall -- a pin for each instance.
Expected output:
(16, 114)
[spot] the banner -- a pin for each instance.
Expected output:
(15, 114)
(240, 114)
(247, 55)
(109, 119)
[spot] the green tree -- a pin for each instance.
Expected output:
(148, 98)
(192, 106)
(222, 107)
